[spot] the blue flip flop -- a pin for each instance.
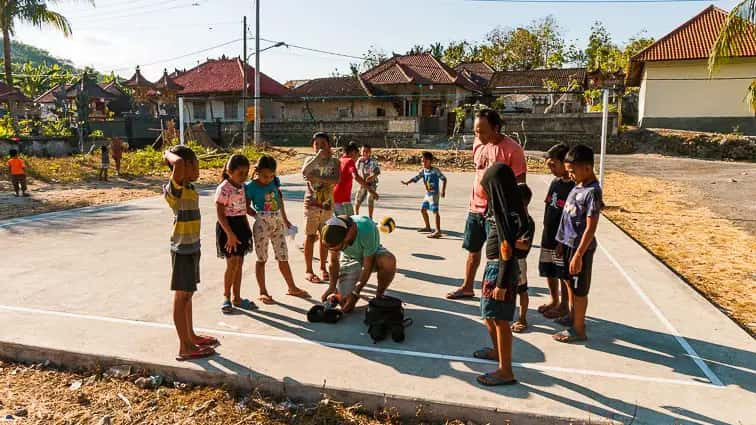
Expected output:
(246, 304)
(227, 307)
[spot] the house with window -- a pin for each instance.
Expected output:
(213, 91)
(676, 90)
(336, 98)
(537, 89)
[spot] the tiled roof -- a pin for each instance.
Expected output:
(49, 95)
(112, 88)
(292, 84)
(333, 86)
(695, 38)
(534, 79)
(224, 75)
(138, 80)
(415, 69)
(11, 93)
(479, 73)
(166, 82)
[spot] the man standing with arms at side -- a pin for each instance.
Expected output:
(490, 147)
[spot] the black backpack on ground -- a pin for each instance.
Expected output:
(386, 315)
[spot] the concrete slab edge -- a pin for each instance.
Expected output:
(407, 407)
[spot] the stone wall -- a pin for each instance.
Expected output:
(41, 147)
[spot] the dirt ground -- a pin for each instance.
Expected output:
(36, 394)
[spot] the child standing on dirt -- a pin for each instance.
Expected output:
(183, 199)
(265, 203)
(342, 192)
(233, 236)
(17, 171)
(550, 265)
(522, 248)
(431, 176)
(368, 169)
(576, 237)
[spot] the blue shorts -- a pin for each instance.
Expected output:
(476, 232)
(489, 307)
(430, 202)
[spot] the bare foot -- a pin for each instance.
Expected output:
(266, 299)
(435, 235)
(296, 292)
(519, 326)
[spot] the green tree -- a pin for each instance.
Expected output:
(372, 58)
(417, 50)
(34, 12)
(437, 50)
(551, 44)
(34, 80)
(457, 52)
(739, 26)
(513, 49)
(601, 52)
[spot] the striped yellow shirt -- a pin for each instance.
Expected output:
(184, 201)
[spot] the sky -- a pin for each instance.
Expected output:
(118, 35)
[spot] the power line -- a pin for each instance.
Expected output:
(184, 55)
(313, 49)
(145, 12)
(118, 8)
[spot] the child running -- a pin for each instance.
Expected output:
(185, 250)
(342, 193)
(431, 176)
(17, 170)
(233, 237)
(497, 302)
(265, 203)
(576, 236)
(522, 249)
(368, 169)
(550, 265)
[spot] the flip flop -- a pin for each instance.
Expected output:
(435, 235)
(266, 299)
(544, 308)
(553, 314)
(484, 354)
(491, 380)
(313, 278)
(227, 307)
(564, 321)
(567, 336)
(199, 353)
(326, 277)
(519, 327)
(301, 293)
(207, 341)
(459, 295)
(246, 304)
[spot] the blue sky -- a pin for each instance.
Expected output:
(118, 35)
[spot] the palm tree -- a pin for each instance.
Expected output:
(740, 24)
(34, 12)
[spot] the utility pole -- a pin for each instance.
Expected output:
(244, 84)
(257, 73)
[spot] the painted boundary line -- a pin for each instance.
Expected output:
(710, 375)
(362, 348)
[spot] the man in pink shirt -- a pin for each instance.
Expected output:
(490, 147)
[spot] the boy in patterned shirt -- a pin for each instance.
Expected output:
(431, 176)
(368, 169)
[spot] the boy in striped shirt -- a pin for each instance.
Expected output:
(183, 199)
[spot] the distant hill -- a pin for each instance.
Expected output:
(23, 53)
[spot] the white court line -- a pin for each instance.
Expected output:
(713, 378)
(363, 348)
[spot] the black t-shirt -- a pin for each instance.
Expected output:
(555, 200)
(529, 232)
(492, 241)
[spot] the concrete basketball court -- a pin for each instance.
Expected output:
(94, 282)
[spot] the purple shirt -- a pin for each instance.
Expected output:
(582, 202)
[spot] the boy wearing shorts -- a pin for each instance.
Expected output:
(368, 169)
(521, 251)
(550, 265)
(17, 170)
(183, 199)
(431, 177)
(342, 193)
(321, 173)
(576, 236)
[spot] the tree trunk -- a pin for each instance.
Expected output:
(7, 56)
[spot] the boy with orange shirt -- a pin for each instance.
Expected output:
(17, 169)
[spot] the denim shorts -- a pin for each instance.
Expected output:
(476, 232)
(489, 307)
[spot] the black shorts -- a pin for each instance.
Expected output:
(240, 227)
(475, 232)
(185, 271)
(581, 282)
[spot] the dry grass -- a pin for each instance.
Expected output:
(48, 397)
(711, 253)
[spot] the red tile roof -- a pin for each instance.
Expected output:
(695, 38)
(166, 82)
(224, 75)
(332, 86)
(691, 40)
(534, 78)
(416, 69)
